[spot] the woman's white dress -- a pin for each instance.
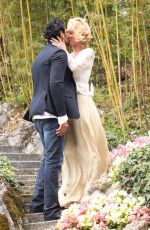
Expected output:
(86, 154)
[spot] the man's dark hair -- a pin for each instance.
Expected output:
(53, 29)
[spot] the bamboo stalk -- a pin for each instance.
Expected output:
(140, 67)
(118, 58)
(112, 84)
(30, 28)
(72, 8)
(24, 33)
(145, 36)
(134, 70)
(1, 78)
(25, 49)
(5, 57)
(121, 116)
(46, 11)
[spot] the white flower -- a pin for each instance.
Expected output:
(127, 200)
(118, 200)
(141, 200)
(118, 161)
(122, 193)
(85, 220)
(123, 207)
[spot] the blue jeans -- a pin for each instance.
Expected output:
(46, 187)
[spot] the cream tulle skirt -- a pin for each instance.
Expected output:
(86, 154)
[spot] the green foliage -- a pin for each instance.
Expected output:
(7, 172)
(115, 134)
(114, 138)
(19, 48)
(133, 174)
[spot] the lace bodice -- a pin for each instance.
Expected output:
(81, 66)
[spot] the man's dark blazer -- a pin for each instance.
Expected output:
(54, 87)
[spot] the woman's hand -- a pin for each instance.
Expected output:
(59, 43)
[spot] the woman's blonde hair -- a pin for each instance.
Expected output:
(81, 29)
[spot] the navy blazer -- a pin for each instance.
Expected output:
(53, 84)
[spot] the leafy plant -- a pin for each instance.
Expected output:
(134, 172)
(7, 172)
(114, 139)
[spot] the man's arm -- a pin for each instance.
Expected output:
(57, 73)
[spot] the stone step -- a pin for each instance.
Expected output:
(25, 164)
(35, 217)
(22, 156)
(9, 149)
(26, 171)
(26, 198)
(26, 189)
(27, 182)
(26, 177)
(27, 207)
(47, 225)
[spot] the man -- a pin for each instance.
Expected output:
(53, 102)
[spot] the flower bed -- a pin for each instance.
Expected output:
(123, 150)
(133, 173)
(118, 208)
(114, 211)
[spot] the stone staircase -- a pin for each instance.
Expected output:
(26, 166)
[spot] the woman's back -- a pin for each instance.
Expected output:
(81, 66)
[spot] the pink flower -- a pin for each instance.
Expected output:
(65, 226)
(112, 201)
(140, 213)
(135, 210)
(98, 218)
(146, 216)
(83, 209)
(121, 151)
(141, 141)
(132, 218)
(103, 224)
(71, 220)
(124, 150)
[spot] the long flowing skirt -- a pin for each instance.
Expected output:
(86, 154)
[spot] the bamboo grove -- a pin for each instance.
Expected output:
(121, 35)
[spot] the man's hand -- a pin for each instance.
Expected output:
(62, 129)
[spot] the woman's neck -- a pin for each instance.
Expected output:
(77, 48)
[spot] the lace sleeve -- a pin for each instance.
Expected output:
(82, 61)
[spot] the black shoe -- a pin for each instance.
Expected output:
(51, 218)
(63, 208)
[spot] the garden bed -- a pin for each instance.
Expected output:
(125, 203)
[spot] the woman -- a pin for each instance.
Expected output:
(86, 152)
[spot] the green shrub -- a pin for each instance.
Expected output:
(7, 172)
(114, 138)
(133, 174)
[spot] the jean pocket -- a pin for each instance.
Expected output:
(51, 123)
(37, 124)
